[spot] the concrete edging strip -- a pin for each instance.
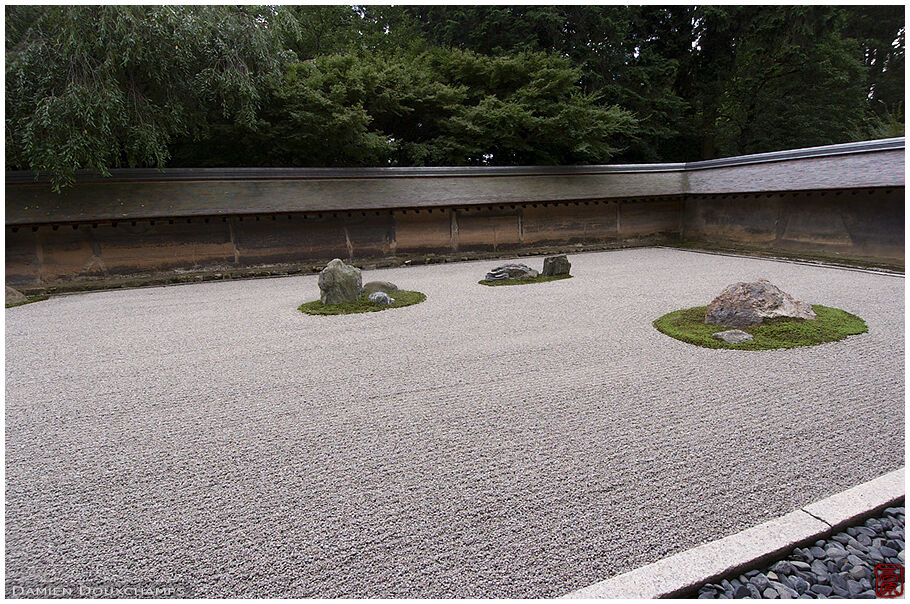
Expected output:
(686, 571)
(842, 509)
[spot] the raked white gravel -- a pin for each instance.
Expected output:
(491, 441)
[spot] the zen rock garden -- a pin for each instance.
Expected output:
(747, 315)
(357, 425)
(757, 315)
(342, 292)
(554, 268)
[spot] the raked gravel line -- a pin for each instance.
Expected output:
(509, 441)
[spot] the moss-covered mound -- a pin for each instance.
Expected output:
(537, 279)
(402, 298)
(29, 301)
(831, 325)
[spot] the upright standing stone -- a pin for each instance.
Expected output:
(14, 296)
(339, 283)
(556, 265)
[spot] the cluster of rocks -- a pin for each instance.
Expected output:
(842, 566)
(378, 292)
(552, 266)
(746, 304)
(340, 282)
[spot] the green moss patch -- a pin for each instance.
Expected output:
(402, 298)
(29, 301)
(831, 325)
(537, 279)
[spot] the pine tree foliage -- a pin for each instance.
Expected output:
(102, 87)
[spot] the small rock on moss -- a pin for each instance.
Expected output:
(733, 336)
(379, 286)
(381, 298)
(511, 271)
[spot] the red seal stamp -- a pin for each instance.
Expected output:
(889, 580)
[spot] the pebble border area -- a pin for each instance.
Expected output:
(842, 566)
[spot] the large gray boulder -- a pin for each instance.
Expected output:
(379, 286)
(556, 265)
(14, 296)
(750, 303)
(339, 283)
(511, 271)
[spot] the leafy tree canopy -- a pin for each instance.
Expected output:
(794, 82)
(442, 107)
(102, 87)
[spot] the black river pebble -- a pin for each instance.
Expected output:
(841, 566)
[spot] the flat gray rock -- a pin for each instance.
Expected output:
(380, 298)
(339, 282)
(556, 265)
(733, 336)
(378, 286)
(750, 303)
(511, 271)
(14, 296)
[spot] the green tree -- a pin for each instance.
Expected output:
(795, 81)
(318, 30)
(101, 87)
(442, 107)
(490, 30)
(526, 108)
(715, 36)
(316, 116)
(623, 54)
(708, 80)
(336, 110)
(880, 31)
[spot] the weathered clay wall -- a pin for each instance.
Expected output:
(839, 202)
(864, 225)
(57, 255)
